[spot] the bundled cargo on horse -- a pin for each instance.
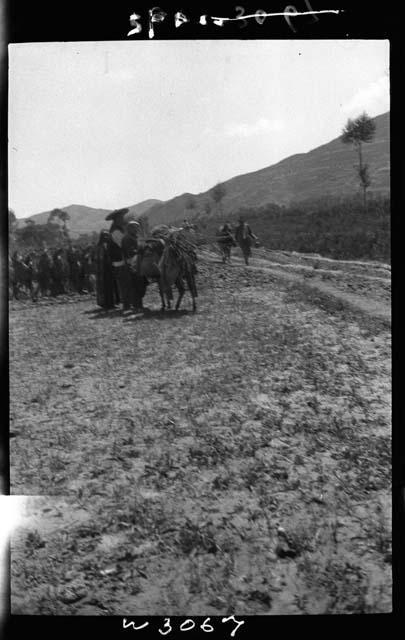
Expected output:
(169, 258)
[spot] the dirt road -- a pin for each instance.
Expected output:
(232, 460)
(350, 283)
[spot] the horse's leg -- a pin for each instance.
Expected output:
(169, 299)
(169, 295)
(193, 289)
(31, 290)
(162, 297)
(181, 289)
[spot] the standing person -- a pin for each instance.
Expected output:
(135, 283)
(45, 272)
(88, 268)
(60, 273)
(225, 241)
(117, 231)
(106, 294)
(71, 257)
(244, 237)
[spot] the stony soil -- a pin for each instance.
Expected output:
(236, 460)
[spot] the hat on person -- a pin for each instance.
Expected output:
(135, 222)
(116, 214)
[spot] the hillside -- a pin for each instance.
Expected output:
(87, 219)
(326, 170)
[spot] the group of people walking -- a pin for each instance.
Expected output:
(243, 236)
(52, 271)
(112, 267)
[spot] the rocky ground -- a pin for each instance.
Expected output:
(233, 460)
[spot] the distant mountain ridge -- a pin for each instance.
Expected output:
(329, 169)
(84, 219)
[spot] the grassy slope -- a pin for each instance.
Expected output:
(336, 228)
(176, 447)
(327, 170)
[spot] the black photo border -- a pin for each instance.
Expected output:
(89, 20)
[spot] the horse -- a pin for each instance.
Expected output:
(159, 262)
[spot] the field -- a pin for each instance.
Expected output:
(236, 460)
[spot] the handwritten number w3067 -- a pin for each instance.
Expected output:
(188, 625)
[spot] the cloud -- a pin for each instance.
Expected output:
(375, 98)
(263, 125)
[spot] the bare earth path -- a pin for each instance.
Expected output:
(232, 460)
(293, 272)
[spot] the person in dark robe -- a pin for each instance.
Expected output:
(45, 272)
(135, 283)
(117, 231)
(106, 290)
(60, 272)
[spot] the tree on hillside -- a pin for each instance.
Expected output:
(218, 193)
(53, 215)
(35, 236)
(357, 132)
(63, 216)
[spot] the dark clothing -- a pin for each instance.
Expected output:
(60, 274)
(106, 287)
(225, 236)
(88, 269)
(74, 269)
(134, 283)
(225, 241)
(116, 233)
(244, 238)
(44, 273)
(117, 261)
(243, 232)
(129, 247)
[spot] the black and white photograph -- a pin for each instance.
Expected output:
(199, 296)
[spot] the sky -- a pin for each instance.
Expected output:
(110, 124)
